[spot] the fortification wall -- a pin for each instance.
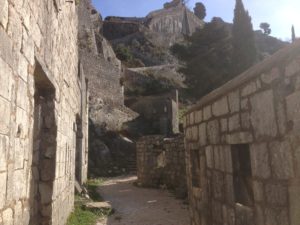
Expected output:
(161, 161)
(40, 95)
(242, 144)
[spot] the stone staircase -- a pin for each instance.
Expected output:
(131, 165)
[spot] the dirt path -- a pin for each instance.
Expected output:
(139, 206)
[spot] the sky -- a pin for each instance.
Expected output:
(280, 14)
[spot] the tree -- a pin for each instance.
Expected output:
(293, 34)
(206, 57)
(266, 28)
(200, 10)
(244, 49)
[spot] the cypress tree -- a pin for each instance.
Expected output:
(244, 49)
(293, 34)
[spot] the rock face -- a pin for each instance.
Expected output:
(104, 71)
(174, 23)
(148, 39)
(250, 124)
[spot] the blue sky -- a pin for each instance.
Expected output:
(281, 14)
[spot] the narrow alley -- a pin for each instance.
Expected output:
(141, 206)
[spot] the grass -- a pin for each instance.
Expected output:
(92, 186)
(82, 216)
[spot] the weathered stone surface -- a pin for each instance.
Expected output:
(258, 191)
(213, 132)
(293, 110)
(249, 89)
(276, 216)
(281, 160)
(292, 68)
(202, 134)
(239, 138)
(207, 114)
(209, 153)
(263, 115)
(234, 122)
(4, 143)
(198, 116)
(3, 177)
(234, 101)
(271, 76)
(277, 194)
(7, 216)
(220, 107)
(260, 161)
(3, 13)
(5, 116)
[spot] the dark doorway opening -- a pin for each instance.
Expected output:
(79, 149)
(44, 149)
(242, 174)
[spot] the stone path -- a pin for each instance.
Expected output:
(139, 206)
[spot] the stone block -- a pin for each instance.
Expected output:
(22, 67)
(227, 158)
(220, 107)
(239, 138)
(5, 116)
(245, 104)
(244, 215)
(263, 115)
(234, 101)
(195, 133)
(292, 68)
(18, 213)
(276, 216)
(22, 95)
(224, 125)
(209, 157)
(6, 49)
(6, 80)
(294, 200)
(3, 177)
(213, 132)
(7, 217)
(4, 13)
(281, 160)
(249, 89)
(245, 120)
(258, 191)
(276, 194)
(198, 116)
(234, 122)
(293, 110)
(207, 114)
(229, 190)
(260, 161)
(202, 134)
(192, 118)
(4, 145)
(270, 76)
(19, 184)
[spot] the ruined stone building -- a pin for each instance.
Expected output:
(242, 147)
(43, 107)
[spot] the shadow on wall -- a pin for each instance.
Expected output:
(44, 150)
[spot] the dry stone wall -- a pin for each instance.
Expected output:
(40, 95)
(161, 161)
(242, 147)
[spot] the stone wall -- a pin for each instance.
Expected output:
(161, 161)
(242, 147)
(40, 95)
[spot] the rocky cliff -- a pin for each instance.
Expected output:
(104, 71)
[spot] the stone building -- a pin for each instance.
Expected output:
(43, 107)
(159, 163)
(242, 147)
